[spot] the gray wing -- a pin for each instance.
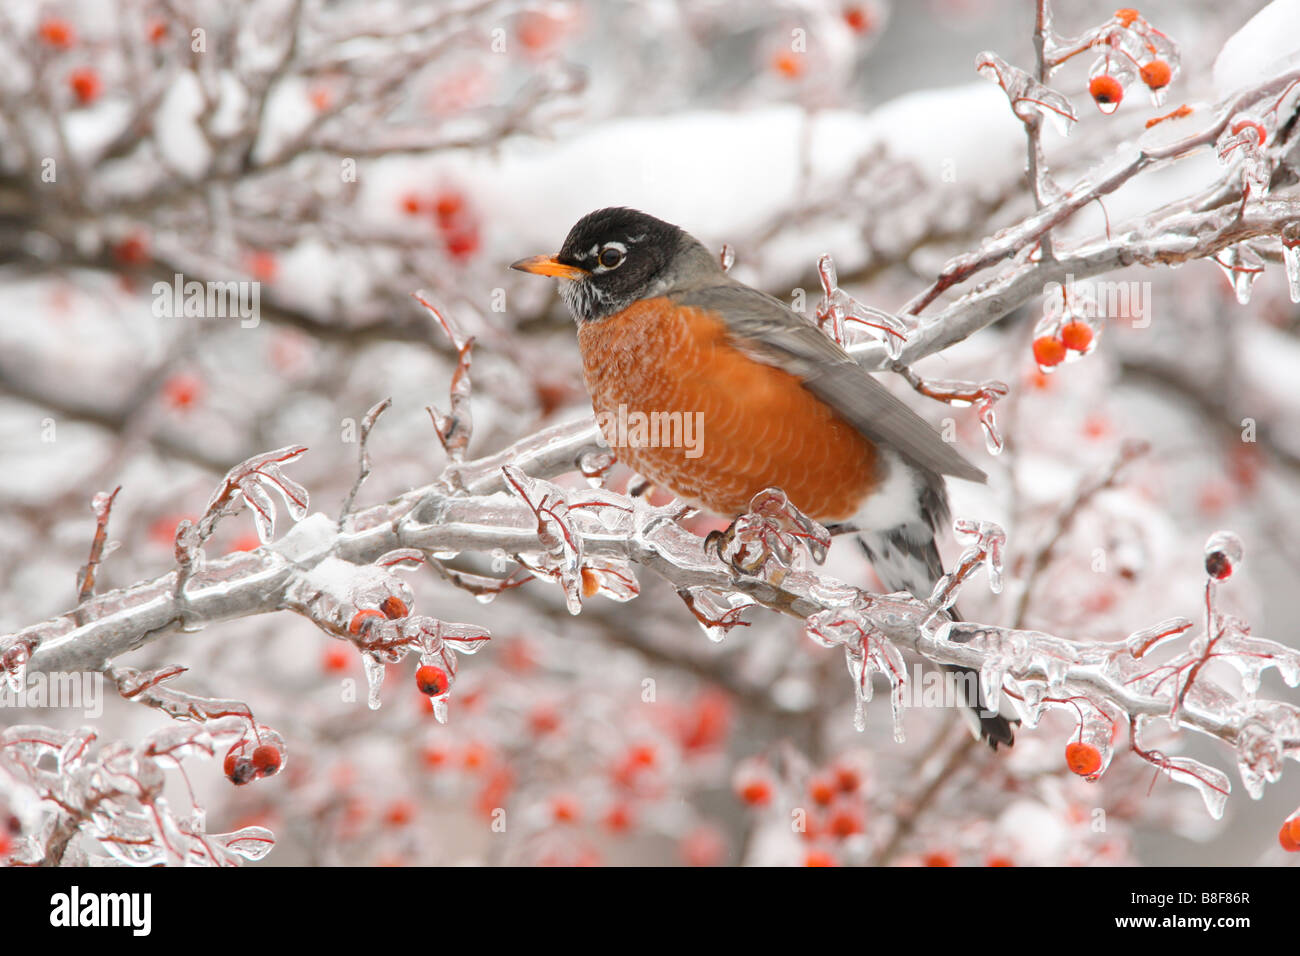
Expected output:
(773, 333)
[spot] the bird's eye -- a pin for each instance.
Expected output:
(610, 257)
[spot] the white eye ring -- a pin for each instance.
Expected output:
(616, 247)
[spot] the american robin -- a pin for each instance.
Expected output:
(663, 329)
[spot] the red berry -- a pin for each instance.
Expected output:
(335, 659)
(619, 818)
(239, 770)
(131, 251)
(999, 861)
(57, 33)
(1049, 351)
(157, 31)
(537, 31)
(182, 391)
(434, 756)
(819, 858)
(821, 790)
(393, 607)
(788, 64)
(1106, 91)
(847, 779)
(359, 619)
(1076, 336)
(1083, 759)
(1156, 74)
(447, 206)
(461, 245)
(1257, 127)
(564, 809)
(476, 756)
(431, 680)
(1218, 566)
(399, 813)
(845, 822)
(756, 793)
(1289, 835)
(938, 858)
(266, 760)
(858, 18)
(85, 84)
(411, 204)
(262, 265)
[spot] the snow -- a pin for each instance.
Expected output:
(721, 174)
(1267, 45)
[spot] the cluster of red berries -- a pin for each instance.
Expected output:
(456, 222)
(1132, 49)
(265, 761)
(1051, 350)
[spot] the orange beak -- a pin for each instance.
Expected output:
(549, 266)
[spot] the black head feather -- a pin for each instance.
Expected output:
(628, 255)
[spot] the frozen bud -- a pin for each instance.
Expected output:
(1223, 553)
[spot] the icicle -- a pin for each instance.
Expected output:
(375, 672)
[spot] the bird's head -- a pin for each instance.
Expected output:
(613, 257)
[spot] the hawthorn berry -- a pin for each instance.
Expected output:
(239, 770)
(399, 813)
(858, 18)
(447, 206)
(393, 607)
(359, 619)
(335, 659)
(57, 33)
(756, 793)
(1083, 759)
(1218, 566)
(182, 392)
(462, 243)
(266, 760)
(262, 265)
(1156, 74)
(1106, 92)
(788, 64)
(1049, 351)
(133, 250)
(1256, 126)
(619, 818)
(1076, 336)
(822, 790)
(1289, 835)
(431, 680)
(564, 809)
(845, 822)
(85, 84)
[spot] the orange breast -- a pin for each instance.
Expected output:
(728, 426)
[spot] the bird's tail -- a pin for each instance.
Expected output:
(906, 559)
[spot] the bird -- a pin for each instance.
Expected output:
(663, 327)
